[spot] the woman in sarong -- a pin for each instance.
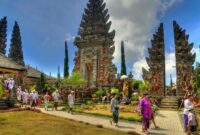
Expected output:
(145, 107)
(115, 109)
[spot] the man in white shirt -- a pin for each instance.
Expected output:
(71, 99)
(34, 98)
(187, 106)
(56, 97)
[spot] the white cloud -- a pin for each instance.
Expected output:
(137, 68)
(69, 37)
(134, 21)
(170, 67)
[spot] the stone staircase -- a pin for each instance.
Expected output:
(169, 103)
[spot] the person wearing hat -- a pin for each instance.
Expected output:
(71, 99)
(145, 111)
(188, 104)
(192, 121)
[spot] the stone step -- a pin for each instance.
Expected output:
(173, 104)
(169, 102)
(168, 107)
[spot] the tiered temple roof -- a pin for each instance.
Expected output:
(95, 45)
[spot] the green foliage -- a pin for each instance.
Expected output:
(99, 93)
(15, 51)
(1, 89)
(66, 62)
(89, 102)
(75, 79)
(3, 30)
(32, 88)
(114, 90)
(134, 97)
(145, 86)
(196, 83)
(123, 62)
(136, 84)
(43, 83)
(58, 82)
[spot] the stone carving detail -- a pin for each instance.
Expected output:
(95, 46)
(156, 63)
(184, 60)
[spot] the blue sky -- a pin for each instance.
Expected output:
(46, 24)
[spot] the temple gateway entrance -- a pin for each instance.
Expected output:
(156, 62)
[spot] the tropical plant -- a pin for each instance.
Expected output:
(114, 90)
(32, 88)
(136, 84)
(145, 86)
(75, 79)
(99, 93)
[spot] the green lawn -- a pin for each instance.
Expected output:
(32, 123)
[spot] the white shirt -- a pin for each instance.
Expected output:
(34, 96)
(191, 118)
(70, 99)
(55, 96)
(187, 106)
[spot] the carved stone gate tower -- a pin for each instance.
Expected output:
(95, 46)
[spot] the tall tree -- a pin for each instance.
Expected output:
(3, 31)
(66, 61)
(58, 78)
(42, 81)
(16, 52)
(123, 62)
(171, 82)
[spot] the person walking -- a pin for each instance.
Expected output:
(192, 122)
(47, 98)
(188, 104)
(25, 96)
(114, 104)
(56, 97)
(146, 112)
(71, 99)
(33, 97)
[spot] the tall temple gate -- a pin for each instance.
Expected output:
(95, 46)
(156, 63)
(184, 60)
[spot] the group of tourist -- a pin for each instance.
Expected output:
(25, 98)
(9, 84)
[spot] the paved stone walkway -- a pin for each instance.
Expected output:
(168, 121)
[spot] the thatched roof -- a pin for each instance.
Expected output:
(8, 63)
(35, 73)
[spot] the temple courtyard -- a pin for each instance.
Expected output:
(49, 123)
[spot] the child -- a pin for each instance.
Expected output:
(192, 122)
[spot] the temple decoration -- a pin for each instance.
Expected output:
(184, 60)
(156, 63)
(95, 46)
